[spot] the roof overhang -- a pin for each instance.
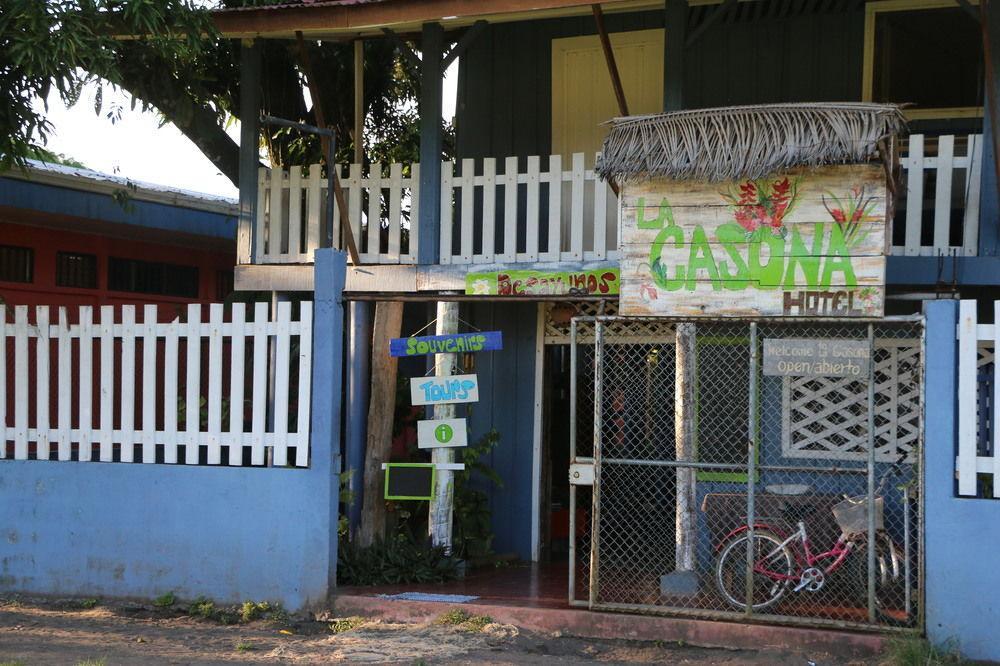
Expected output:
(350, 21)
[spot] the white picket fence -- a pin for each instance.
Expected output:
(118, 387)
(524, 215)
(978, 408)
(956, 189)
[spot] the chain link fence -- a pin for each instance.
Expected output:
(726, 488)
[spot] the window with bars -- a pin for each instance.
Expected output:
(17, 264)
(76, 269)
(152, 277)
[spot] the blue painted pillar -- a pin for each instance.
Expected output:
(431, 82)
(249, 146)
(327, 384)
(961, 533)
(358, 389)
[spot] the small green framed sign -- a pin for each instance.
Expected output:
(409, 481)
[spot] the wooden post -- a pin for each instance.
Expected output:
(249, 146)
(428, 229)
(359, 101)
(684, 441)
(675, 22)
(382, 406)
(439, 523)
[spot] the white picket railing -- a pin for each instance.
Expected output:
(106, 390)
(551, 215)
(291, 214)
(953, 205)
(978, 408)
(535, 209)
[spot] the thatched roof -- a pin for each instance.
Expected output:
(737, 142)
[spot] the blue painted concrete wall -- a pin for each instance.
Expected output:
(77, 203)
(229, 533)
(507, 403)
(962, 534)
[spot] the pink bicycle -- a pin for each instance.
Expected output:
(783, 562)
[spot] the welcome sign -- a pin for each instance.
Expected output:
(807, 242)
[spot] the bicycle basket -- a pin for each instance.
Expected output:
(852, 514)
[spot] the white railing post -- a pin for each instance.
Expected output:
(967, 398)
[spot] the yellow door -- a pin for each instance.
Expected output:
(582, 95)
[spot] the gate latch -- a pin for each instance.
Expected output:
(581, 473)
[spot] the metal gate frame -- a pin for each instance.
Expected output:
(587, 470)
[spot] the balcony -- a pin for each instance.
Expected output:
(549, 210)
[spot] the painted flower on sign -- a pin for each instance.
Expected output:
(851, 212)
(760, 205)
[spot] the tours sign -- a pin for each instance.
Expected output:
(444, 390)
(806, 242)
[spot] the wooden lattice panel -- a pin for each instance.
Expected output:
(826, 417)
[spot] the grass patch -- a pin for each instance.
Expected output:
(12, 662)
(87, 604)
(245, 646)
(342, 624)
(476, 622)
(453, 617)
(915, 651)
(165, 600)
(92, 662)
(202, 607)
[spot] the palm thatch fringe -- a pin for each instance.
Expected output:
(745, 142)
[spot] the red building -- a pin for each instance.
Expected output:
(71, 236)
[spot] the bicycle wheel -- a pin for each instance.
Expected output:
(731, 570)
(890, 592)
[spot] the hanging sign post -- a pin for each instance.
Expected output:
(454, 343)
(441, 433)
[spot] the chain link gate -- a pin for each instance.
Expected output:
(794, 499)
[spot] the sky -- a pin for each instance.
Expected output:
(136, 147)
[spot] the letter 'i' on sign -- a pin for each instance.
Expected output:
(441, 433)
(451, 389)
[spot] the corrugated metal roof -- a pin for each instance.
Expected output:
(298, 4)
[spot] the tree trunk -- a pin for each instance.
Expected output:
(442, 506)
(382, 406)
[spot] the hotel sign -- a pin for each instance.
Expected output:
(803, 243)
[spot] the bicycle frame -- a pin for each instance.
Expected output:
(804, 557)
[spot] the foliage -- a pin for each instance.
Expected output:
(61, 46)
(165, 600)
(202, 607)
(87, 604)
(917, 651)
(344, 624)
(346, 498)
(245, 646)
(44, 155)
(457, 617)
(471, 528)
(399, 559)
(175, 63)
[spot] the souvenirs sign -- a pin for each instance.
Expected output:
(598, 282)
(806, 242)
(448, 390)
(441, 433)
(806, 357)
(446, 344)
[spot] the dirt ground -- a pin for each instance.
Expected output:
(35, 632)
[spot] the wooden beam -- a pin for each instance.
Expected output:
(331, 163)
(463, 44)
(609, 58)
(382, 407)
(675, 18)
(369, 17)
(716, 14)
(970, 9)
(404, 49)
